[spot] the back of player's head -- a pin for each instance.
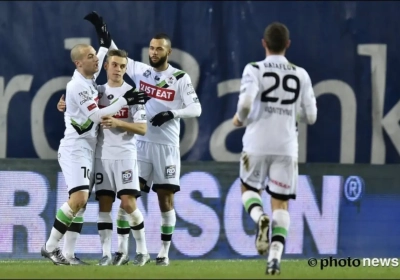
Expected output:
(276, 37)
(164, 36)
(119, 53)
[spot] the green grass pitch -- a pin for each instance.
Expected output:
(190, 269)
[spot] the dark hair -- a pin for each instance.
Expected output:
(163, 36)
(276, 36)
(120, 53)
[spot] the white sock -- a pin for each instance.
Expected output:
(62, 221)
(105, 227)
(123, 229)
(72, 234)
(253, 204)
(137, 227)
(280, 227)
(168, 221)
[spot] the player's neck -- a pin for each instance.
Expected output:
(269, 53)
(162, 67)
(85, 75)
(113, 84)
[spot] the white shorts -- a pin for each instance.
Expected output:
(281, 172)
(77, 167)
(159, 166)
(116, 177)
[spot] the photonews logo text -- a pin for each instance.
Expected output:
(353, 262)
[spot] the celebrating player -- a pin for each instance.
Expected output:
(172, 97)
(272, 93)
(76, 151)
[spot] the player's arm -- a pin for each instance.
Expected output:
(191, 104)
(249, 88)
(138, 126)
(89, 106)
(308, 103)
(101, 54)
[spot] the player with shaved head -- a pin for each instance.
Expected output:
(76, 151)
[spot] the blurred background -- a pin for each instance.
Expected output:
(349, 186)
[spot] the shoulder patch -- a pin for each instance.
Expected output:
(255, 65)
(293, 65)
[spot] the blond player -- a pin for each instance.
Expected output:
(172, 98)
(273, 93)
(116, 169)
(76, 151)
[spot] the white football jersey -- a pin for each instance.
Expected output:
(278, 90)
(115, 143)
(81, 101)
(171, 89)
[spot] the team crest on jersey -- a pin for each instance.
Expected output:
(127, 176)
(110, 97)
(171, 80)
(170, 171)
(147, 73)
(157, 92)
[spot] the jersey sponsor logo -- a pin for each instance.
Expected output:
(121, 114)
(127, 176)
(157, 92)
(92, 106)
(170, 171)
(279, 111)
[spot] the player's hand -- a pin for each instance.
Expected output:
(236, 121)
(108, 122)
(161, 118)
(61, 104)
(133, 97)
(103, 35)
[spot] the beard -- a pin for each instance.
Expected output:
(160, 62)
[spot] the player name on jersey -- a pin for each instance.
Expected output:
(280, 66)
(157, 92)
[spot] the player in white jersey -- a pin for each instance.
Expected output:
(116, 168)
(273, 93)
(172, 97)
(76, 151)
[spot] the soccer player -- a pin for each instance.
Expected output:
(76, 151)
(273, 93)
(116, 167)
(172, 97)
